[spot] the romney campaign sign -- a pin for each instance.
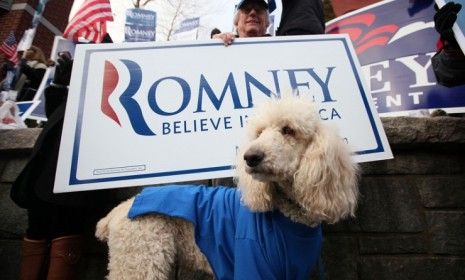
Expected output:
(149, 113)
(394, 41)
(140, 25)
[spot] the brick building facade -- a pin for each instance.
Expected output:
(16, 16)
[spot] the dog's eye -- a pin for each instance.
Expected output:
(286, 130)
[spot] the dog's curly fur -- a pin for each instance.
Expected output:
(292, 162)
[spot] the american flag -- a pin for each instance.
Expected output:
(90, 21)
(9, 46)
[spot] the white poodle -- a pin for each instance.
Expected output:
(294, 173)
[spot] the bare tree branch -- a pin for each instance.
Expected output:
(138, 4)
(175, 11)
(173, 21)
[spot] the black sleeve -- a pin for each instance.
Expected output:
(54, 97)
(301, 17)
(35, 75)
(449, 69)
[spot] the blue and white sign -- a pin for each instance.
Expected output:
(140, 25)
(188, 29)
(188, 24)
(394, 41)
(130, 122)
(26, 107)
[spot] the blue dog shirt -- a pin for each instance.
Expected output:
(238, 243)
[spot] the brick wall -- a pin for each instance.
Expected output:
(410, 223)
(411, 220)
(56, 12)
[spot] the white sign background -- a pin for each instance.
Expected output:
(96, 152)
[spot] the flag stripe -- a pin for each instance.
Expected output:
(9, 46)
(85, 12)
(87, 22)
(90, 21)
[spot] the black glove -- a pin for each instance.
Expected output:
(22, 62)
(63, 69)
(444, 19)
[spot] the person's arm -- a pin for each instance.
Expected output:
(449, 67)
(449, 62)
(33, 74)
(57, 92)
(444, 19)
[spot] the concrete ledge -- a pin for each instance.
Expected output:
(18, 140)
(410, 130)
(399, 130)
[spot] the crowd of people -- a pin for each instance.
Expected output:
(20, 83)
(58, 222)
(26, 76)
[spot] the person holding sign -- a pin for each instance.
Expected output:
(251, 20)
(32, 68)
(298, 18)
(53, 242)
(449, 62)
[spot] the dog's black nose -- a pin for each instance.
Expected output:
(253, 158)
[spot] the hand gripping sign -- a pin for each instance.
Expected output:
(149, 113)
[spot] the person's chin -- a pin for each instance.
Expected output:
(252, 32)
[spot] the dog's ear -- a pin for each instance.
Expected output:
(326, 184)
(257, 196)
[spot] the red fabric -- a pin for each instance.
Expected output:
(9, 46)
(90, 21)
(440, 44)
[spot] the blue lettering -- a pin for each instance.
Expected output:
(323, 84)
(335, 114)
(205, 87)
(166, 128)
(177, 127)
(186, 96)
(203, 125)
(185, 127)
(227, 123)
(276, 81)
(324, 115)
(130, 104)
(249, 79)
(215, 125)
(242, 120)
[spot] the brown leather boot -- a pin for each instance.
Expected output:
(65, 253)
(34, 256)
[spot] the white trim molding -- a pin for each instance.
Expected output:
(47, 24)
